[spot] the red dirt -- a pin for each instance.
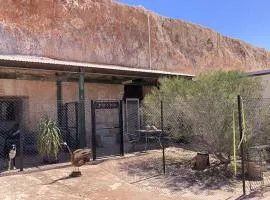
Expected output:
(94, 184)
(129, 178)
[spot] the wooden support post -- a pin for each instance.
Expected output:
(81, 111)
(59, 101)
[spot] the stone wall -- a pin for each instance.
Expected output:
(106, 32)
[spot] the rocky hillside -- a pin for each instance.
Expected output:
(102, 31)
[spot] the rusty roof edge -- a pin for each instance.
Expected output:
(259, 72)
(49, 61)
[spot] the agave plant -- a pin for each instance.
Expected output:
(49, 140)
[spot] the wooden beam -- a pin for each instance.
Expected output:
(68, 78)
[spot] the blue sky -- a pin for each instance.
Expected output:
(248, 20)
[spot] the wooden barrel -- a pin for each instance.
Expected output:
(254, 170)
(202, 161)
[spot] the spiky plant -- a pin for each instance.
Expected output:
(49, 140)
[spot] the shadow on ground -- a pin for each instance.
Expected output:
(70, 176)
(148, 171)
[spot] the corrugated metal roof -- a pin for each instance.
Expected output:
(34, 62)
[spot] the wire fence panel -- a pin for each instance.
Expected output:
(107, 131)
(135, 135)
(142, 143)
(69, 124)
(20, 129)
(146, 135)
(256, 127)
(199, 143)
(204, 126)
(132, 108)
(197, 139)
(11, 122)
(202, 142)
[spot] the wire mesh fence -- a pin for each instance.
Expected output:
(142, 145)
(142, 134)
(256, 140)
(202, 141)
(20, 133)
(69, 124)
(195, 143)
(10, 126)
(191, 143)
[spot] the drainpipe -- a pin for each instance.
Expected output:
(149, 41)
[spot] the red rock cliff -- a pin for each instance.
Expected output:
(102, 31)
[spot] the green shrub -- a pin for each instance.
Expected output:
(49, 140)
(204, 107)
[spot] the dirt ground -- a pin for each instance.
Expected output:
(94, 184)
(130, 178)
(179, 182)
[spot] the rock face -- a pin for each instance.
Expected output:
(106, 32)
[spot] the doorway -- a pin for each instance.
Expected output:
(133, 92)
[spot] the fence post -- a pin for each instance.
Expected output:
(162, 128)
(77, 124)
(93, 121)
(67, 132)
(121, 128)
(21, 150)
(241, 145)
(21, 141)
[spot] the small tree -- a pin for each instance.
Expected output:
(203, 107)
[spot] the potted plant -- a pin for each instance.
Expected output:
(49, 140)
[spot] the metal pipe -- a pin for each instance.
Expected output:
(242, 146)
(162, 128)
(93, 116)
